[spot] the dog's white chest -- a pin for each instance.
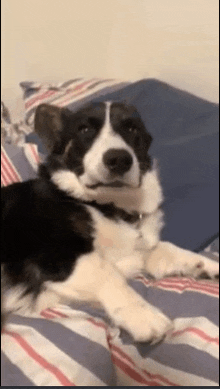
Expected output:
(112, 236)
(125, 244)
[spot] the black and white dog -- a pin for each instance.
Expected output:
(91, 220)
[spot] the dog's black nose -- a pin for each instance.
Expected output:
(118, 161)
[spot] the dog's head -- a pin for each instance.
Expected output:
(103, 145)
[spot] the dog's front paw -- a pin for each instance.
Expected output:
(144, 322)
(169, 260)
(206, 268)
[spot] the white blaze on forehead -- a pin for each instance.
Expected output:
(95, 171)
(107, 113)
(107, 131)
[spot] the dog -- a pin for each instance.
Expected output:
(91, 220)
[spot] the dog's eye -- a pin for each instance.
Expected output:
(83, 129)
(133, 130)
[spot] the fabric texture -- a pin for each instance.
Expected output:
(77, 345)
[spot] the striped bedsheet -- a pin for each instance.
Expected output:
(77, 345)
(67, 346)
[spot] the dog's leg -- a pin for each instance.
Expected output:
(131, 266)
(167, 259)
(96, 279)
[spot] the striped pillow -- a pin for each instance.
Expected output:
(69, 94)
(18, 163)
(19, 160)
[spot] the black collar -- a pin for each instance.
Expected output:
(112, 212)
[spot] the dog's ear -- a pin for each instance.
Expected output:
(149, 139)
(48, 123)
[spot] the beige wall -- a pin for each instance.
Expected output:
(174, 40)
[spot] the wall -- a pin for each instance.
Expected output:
(174, 40)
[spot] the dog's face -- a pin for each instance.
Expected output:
(103, 144)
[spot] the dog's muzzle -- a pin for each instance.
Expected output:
(117, 161)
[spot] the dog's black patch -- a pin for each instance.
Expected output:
(61, 129)
(42, 234)
(112, 212)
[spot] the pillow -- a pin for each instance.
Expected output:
(72, 93)
(18, 164)
(19, 160)
(186, 139)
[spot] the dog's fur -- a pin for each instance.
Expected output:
(91, 220)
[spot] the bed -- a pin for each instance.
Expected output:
(78, 345)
